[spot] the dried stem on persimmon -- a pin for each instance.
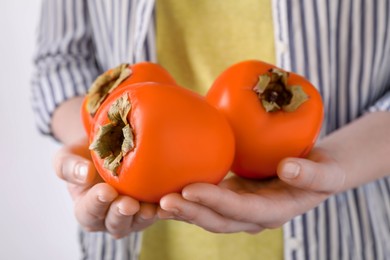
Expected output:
(275, 94)
(104, 85)
(114, 139)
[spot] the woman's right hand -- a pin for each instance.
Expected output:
(98, 206)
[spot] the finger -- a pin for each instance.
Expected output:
(147, 211)
(310, 175)
(146, 216)
(244, 207)
(203, 216)
(163, 214)
(91, 209)
(120, 216)
(74, 169)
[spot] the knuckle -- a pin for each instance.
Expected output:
(90, 222)
(190, 216)
(118, 224)
(94, 215)
(90, 209)
(97, 214)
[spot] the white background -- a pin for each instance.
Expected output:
(36, 213)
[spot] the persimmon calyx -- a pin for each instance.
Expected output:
(114, 139)
(275, 94)
(104, 85)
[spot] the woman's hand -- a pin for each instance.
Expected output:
(239, 204)
(351, 156)
(98, 207)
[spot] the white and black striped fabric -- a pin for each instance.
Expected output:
(342, 46)
(100, 245)
(78, 40)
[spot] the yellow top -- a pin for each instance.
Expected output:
(197, 40)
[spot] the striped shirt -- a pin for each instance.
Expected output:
(342, 47)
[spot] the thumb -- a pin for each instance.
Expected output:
(74, 169)
(323, 177)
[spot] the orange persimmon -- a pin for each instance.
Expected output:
(151, 139)
(274, 114)
(124, 74)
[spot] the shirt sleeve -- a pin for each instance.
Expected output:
(64, 60)
(383, 104)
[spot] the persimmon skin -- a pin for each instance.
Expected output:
(141, 72)
(263, 138)
(179, 139)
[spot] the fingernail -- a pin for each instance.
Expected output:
(145, 217)
(123, 212)
(189, 196)
(172, 210)
(103, 199)
(81, 171)
(291, 170)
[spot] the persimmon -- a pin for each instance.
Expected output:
(151, 139)
(124, 74)
(274, 114)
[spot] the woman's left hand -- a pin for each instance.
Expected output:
(238, 204)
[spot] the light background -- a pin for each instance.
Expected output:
(36, 212)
